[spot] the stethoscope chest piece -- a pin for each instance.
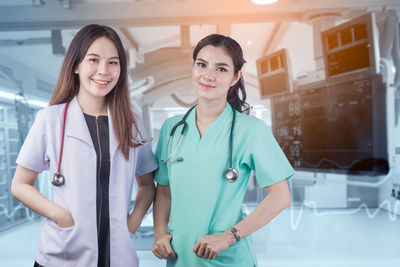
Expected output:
(231, 175)
(57, 179)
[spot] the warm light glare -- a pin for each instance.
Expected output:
(263, 2)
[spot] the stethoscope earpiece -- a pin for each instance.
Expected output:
(57, 179)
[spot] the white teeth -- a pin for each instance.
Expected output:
(100, 82)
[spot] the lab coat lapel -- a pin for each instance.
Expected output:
(76, 124)
(113, 138)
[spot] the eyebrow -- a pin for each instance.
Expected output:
(96, 55)
(217, 64)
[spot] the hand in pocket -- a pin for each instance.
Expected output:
(63, 218)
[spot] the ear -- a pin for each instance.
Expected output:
(237, 78)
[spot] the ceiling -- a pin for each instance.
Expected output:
(31, 29)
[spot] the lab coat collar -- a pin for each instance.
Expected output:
(77, 127)
(76, 124)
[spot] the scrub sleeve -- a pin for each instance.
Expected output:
(264, 156)
(161, 174)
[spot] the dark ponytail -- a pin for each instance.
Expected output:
(233, 49)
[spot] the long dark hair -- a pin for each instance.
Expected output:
(233, 49)
(118, 99)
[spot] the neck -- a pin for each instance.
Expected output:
(94, 106)
(209, 111)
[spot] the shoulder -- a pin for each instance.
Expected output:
(170, 122)
(252, 128)
(249, 122)
(50, 112)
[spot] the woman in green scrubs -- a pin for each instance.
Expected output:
(197, 211)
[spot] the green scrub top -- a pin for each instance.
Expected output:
(203, 202)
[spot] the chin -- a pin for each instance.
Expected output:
(100, 94)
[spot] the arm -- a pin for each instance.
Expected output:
(22, 188)
(162, 207)
(278, 199)
(144, 198)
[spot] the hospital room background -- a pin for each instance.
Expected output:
(323, 75)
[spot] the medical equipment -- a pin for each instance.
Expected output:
(231, 174)
(142, 141)
(58, 179)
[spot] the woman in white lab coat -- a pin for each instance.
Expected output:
(103, 147)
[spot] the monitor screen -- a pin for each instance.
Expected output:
(338, 128)
(274, 74)
(350, 48)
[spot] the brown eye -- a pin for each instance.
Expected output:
(222, 69)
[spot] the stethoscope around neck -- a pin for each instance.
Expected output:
(58, 179)
(231, 174)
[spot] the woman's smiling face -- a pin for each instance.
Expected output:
(100, 69)
(213, 74)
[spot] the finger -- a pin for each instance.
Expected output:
(155, 252)
(173, 255)
(201, 250)
(163, 251)
(158, 255)
(207, 253)
(170, 251)
(196, 247)
(212, 255)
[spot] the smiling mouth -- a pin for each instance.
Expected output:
(206, 86)
(101, 82)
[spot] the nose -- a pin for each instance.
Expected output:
(209, 74)
(102, 68)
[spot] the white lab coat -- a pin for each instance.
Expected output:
(77, 246)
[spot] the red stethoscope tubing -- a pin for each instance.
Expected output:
(62, 137)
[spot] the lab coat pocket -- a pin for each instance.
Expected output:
(130, 234)
(54, 241)
(61, 228)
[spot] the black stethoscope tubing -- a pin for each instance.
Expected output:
(184, 128)
(231, 174)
